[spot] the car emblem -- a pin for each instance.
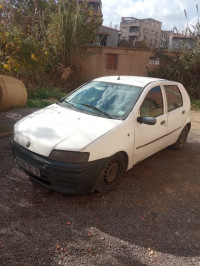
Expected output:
(28, 144)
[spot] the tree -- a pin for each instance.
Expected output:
(72, 25)
(39, 38)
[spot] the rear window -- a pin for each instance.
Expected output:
(174, 97)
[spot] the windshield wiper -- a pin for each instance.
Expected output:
(69, 104)
(97, 109)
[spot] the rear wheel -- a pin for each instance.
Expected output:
(111, 173)
(181, 139)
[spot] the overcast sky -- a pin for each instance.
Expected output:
(169, 12)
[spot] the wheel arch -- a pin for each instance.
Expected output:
(189, 126)
(112, 171)
(126, 159)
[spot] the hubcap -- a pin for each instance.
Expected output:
(111, 172)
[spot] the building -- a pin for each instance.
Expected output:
(177, 41)
(147, 30)
(108, 36)
(165, 36)
(95, 6)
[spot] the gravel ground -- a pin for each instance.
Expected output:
(153, 218)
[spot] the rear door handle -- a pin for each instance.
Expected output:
(162, 123)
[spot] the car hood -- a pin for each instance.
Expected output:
(55, 127)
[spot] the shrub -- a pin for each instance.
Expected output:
(185, 67)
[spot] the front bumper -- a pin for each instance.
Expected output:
(63, 177)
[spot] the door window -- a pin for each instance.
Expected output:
(153, 103)
(174, 97)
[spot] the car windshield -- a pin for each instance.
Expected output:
(111, 100)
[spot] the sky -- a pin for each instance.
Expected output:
(169, 12)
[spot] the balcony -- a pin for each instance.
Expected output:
(137, 33)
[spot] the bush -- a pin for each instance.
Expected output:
(195, 104)
(42, 97)
(185, 67)
(45, 93)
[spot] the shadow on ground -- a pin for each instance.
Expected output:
(153, 216)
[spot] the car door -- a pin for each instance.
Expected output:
(150, 138)
(176, 112)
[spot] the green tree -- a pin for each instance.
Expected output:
(39, 38)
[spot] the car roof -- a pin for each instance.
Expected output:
(129, 80)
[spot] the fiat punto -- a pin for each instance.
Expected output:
(90, 138)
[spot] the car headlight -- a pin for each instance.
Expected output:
(69, 156)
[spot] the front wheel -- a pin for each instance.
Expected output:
(111, 173)
(181, 139)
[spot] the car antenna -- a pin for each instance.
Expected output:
(118, 78)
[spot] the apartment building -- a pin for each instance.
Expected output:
(95, 6)
(147, 30)
(165, 38)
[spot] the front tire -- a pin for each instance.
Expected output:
(111, 173)
(180, 143)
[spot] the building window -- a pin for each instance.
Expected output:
(111, 61)
(103, 39)
(134, 29)
(124, 29)
(154, 61)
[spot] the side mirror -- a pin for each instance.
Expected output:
(147, 120)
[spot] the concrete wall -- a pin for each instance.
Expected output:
(92, 62)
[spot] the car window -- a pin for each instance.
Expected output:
(107, 99)
(153, 103)
(174, 97)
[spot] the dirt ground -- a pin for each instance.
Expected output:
(153, 218)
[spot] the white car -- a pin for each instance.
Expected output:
(87, 140)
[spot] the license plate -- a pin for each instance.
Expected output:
(28, 167)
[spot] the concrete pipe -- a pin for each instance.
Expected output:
(12, 93)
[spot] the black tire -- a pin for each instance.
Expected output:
(180, 143)
(111, 173)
